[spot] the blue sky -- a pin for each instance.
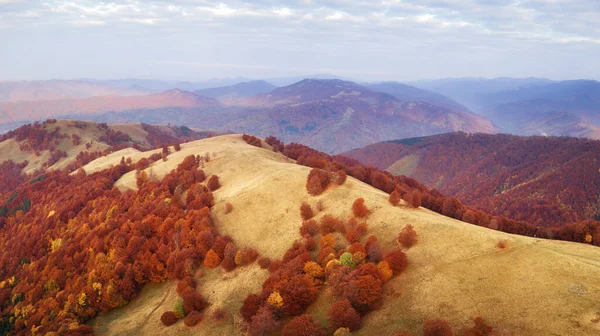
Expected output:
(365, 40)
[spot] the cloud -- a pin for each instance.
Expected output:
(339, 35)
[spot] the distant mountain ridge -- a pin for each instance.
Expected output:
(332, 115)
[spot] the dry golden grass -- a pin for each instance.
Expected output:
(532, 287)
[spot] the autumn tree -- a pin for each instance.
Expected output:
(359, 209)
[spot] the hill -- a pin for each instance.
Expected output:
(132, 243)
(546, 181)
(57, 144)
(43, 109)
(230, 94)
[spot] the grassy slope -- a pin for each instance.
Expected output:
(534, 287)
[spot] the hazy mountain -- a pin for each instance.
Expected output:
(236, 91)
(42, 109)
(60, 89)
(413, 94)
(473, 92)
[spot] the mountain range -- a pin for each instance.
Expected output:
(330, 114)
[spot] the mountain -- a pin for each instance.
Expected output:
(410, 93)
(43, 109)
(336, 115)
(60, 89)
(546, 181)
(563, 108)
(239, 90)
(207, 233)
(155, 85)
(529, 106)
(473, 92)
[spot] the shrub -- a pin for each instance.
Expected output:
(303, 325)
(437, 328)
(213, 183)
(352, 236)
(177, 146)
(397, 261)
(229, 253)
(212, 259)
(384, 270)
(169, 318)
(343, 315)
(346, 260)
(502, 244)
(407, 237)
(309, 227)
(330, 224)
(228, 208)
(306, 211)
(264, 262)
(192, 318)
(359, 209)
(339, 177)
(317, 181)
(362, 228)
(394, 198)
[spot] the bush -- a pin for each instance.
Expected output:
(359, 209)
(213, 183)
(407, 237)
(437, 328)
(303, 325)
(169, 318)
(394, 198)
(306, 211)
(397, 261)
(228, 208)
(343, 315)
(192, 318)
(212, 259)
(309, 227)
(317, 181)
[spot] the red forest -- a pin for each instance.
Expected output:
(546, 181)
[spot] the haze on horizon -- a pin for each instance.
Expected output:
(378, 40)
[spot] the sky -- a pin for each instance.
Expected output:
(363, 40)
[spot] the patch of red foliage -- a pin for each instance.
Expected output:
(407, 237)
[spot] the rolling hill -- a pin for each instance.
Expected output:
(124, 249)
(44, 109)
(546, 181)
(58, 144)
